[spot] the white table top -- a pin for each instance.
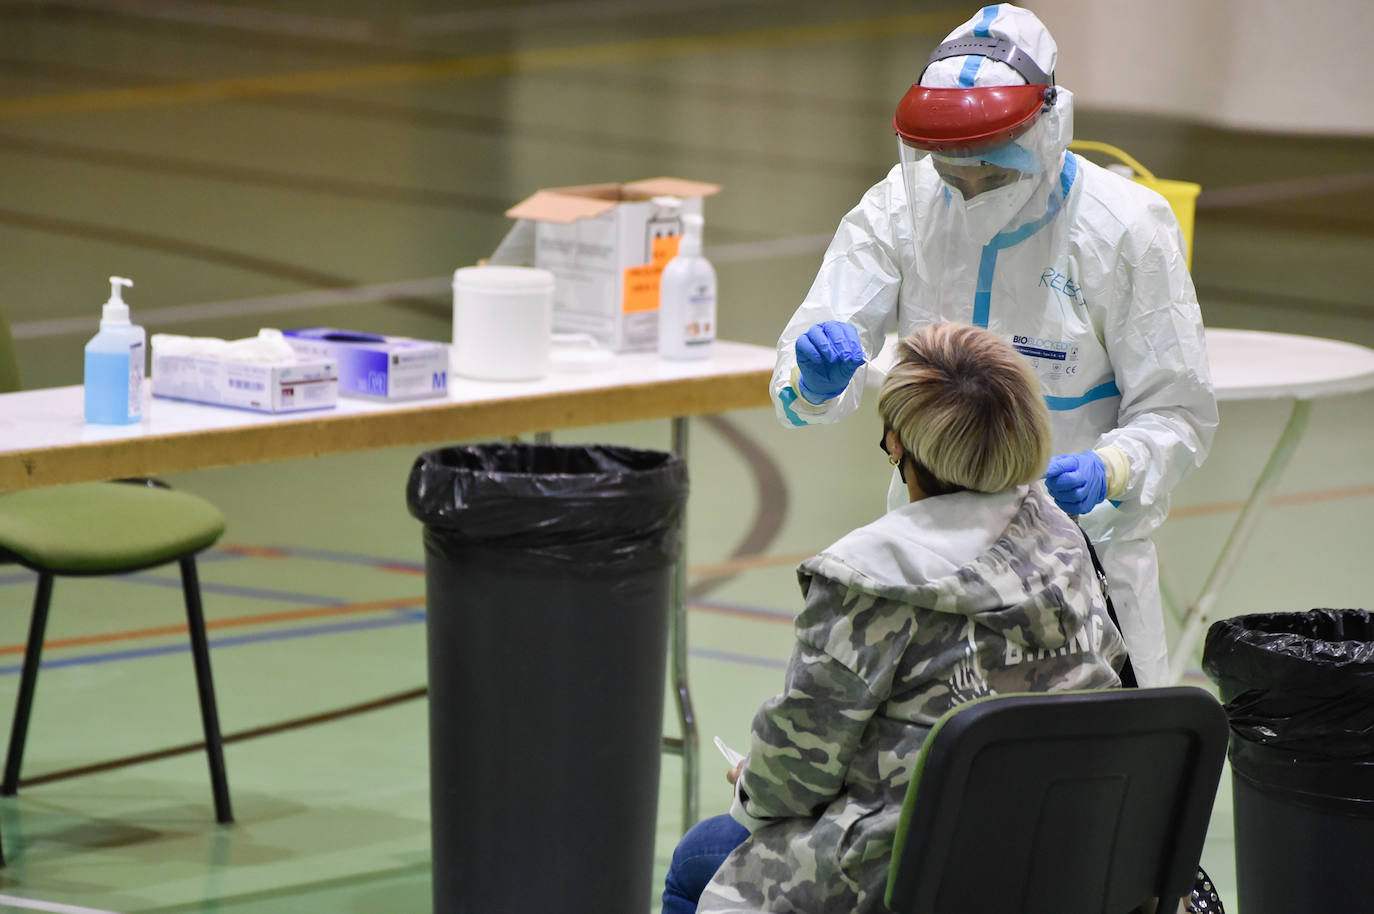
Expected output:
(1257, 365)
(44, 439)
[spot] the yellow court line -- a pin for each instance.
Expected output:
(468, 67)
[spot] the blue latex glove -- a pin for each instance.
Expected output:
(1077, 482)
(828, 354)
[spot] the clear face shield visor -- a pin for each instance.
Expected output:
(970, 134)
(970, 137)
(969, 177)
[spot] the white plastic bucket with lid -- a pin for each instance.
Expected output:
(502, 322)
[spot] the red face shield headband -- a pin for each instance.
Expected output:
(964, 121)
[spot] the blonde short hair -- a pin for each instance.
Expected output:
(968, 408)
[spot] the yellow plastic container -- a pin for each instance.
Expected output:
(1182, 195)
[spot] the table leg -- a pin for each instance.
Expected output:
(687, 744)
(1172, 604)
(1196, 618)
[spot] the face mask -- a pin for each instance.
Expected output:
(988, 213)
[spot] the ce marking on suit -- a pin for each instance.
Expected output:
(1050, 358)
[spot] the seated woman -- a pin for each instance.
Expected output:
(980, 585)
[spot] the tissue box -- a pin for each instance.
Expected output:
(378, 367)
(606, 246)
(270, 388)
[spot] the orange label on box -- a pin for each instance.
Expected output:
(641, 282)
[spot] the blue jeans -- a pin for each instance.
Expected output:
(695, 860)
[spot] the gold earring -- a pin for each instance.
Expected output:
(893, 460)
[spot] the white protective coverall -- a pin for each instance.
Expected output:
(1087, 280)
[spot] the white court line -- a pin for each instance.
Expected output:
(271, 304)
(325, 298)
(29, 904)
(1291, 189)
(745, 251)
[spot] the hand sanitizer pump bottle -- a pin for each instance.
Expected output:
(687, 298)
(114, 364)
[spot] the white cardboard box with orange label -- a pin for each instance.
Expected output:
(606, 245)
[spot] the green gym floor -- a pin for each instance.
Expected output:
(305, 163)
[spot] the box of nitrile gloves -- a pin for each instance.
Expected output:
(282, 388)
(378, 367)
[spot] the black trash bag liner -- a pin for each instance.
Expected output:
(1299, 691)
(573, 509)
(549, 581)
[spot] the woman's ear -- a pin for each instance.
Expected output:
(895, 452)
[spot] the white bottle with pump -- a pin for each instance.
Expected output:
(687, 298)
(114, 364)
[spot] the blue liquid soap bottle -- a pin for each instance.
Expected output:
(687, 298)
(114, 364)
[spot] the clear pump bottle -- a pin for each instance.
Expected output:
(114, 364)
(687, 298)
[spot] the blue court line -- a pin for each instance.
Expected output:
(343, 558)
(707, 653)
(228, 590)
(395, 619)
(739, 609)
(233, 590)
(399, 617)
(221, 555)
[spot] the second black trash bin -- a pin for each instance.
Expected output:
(1299, 691)
(548, 577)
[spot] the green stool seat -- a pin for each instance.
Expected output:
(100, 528)
(104, 528)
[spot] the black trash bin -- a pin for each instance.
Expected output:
(548, 578)
(1299, 692)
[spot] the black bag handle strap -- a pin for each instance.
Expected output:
(1204, 895)
(1127, 672)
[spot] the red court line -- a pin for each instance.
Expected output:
(1278, 501)
(397, 568)
(289, 615)
(255, 552)
(728, 567)
(754, 562)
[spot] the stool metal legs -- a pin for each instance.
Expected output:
(28, 680)
(205, 687)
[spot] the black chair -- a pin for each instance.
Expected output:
(1060, 803)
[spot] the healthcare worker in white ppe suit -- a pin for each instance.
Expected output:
(987, 219)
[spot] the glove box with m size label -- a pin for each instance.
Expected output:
(378, 367)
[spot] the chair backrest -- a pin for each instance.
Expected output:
(9, 361)
(1062, 802)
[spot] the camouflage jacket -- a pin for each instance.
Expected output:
(937, 602)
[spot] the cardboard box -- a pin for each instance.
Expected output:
(280, 388)
(377, 367)
(606, 245)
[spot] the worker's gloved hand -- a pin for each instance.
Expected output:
(1077, 482)
(828, 354)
